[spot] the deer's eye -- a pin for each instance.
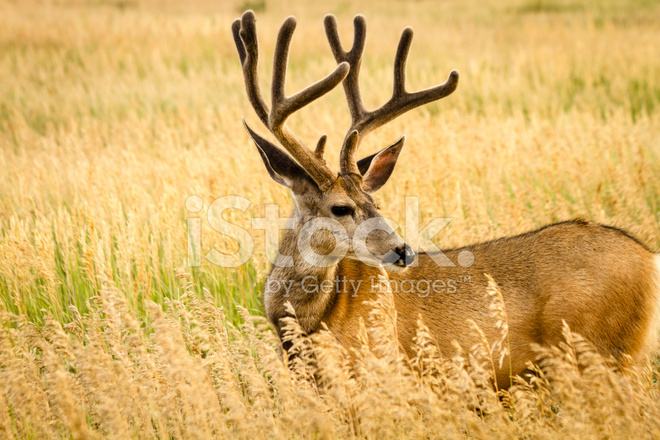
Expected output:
(341, 210)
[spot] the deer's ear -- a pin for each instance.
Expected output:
(282, 168)
(377, 168)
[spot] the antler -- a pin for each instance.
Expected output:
(364, 121)
(245, 37)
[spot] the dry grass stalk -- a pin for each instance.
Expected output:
(113, 113)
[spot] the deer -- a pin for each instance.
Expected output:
(600, 281)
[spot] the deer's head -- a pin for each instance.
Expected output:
(321, 193)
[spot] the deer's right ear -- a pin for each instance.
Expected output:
(280, 166)
(378, 167)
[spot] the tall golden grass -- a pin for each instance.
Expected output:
(113, 113)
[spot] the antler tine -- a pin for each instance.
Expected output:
(348, 159)
(245, 38)
(282, 107)
(401, 100)
(364, 121)
(400, 61)
(320, 146)
(353, 57)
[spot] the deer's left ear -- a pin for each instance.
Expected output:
(377, 168)
(280, 166)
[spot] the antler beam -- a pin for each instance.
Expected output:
(245, 38)
(364, 121)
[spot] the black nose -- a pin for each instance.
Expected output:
(406, 255)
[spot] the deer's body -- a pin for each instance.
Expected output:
(604, 284)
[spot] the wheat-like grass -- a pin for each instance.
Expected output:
(113, 113)
(191, 375)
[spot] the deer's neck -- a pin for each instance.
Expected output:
(295, 278)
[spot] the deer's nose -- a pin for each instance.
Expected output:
(406, 255)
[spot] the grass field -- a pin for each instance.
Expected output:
(113, 113)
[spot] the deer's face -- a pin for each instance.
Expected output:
(342, 218)
(320, 192)
(347, 222)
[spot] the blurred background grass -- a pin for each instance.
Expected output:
(112, 113)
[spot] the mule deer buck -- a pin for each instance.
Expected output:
(603, 283)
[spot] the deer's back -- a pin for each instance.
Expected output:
(600, 281)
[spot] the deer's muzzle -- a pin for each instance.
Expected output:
(406, 255)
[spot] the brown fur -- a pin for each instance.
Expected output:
(600, 281)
